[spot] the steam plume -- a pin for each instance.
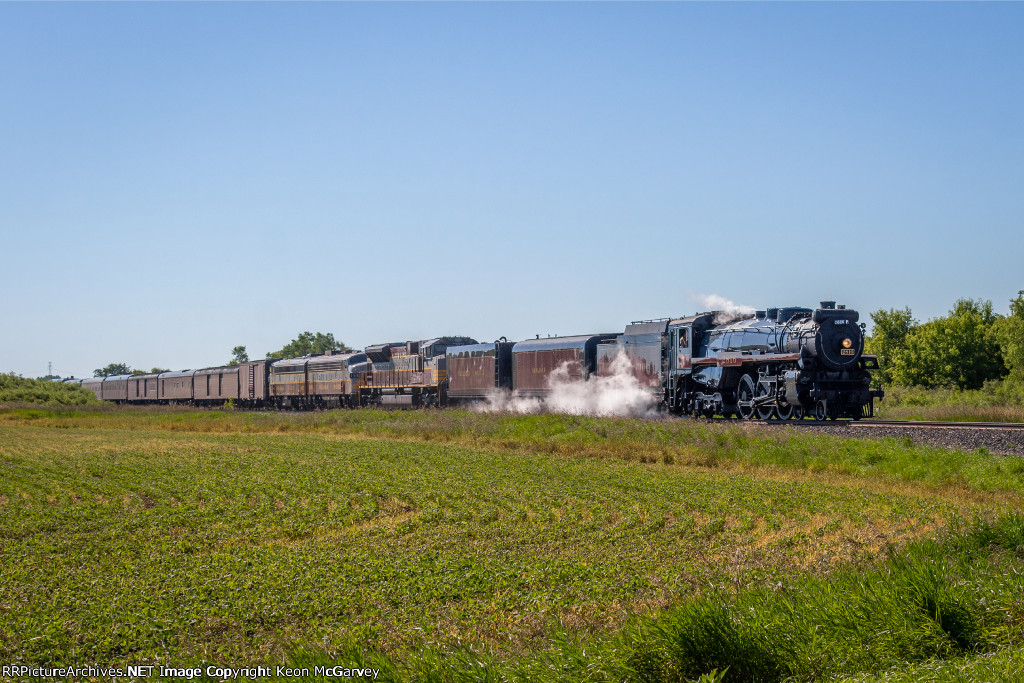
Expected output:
(728, 311)
(617, 394)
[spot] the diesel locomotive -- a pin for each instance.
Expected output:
(778, 363)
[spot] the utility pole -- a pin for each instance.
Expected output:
(49, 368)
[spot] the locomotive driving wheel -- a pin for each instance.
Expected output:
(765, 411)
(745, 397)
(784, 410)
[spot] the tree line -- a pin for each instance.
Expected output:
(963, 350)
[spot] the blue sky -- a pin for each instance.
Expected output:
(182, 178)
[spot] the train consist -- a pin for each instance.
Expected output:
(779, 363)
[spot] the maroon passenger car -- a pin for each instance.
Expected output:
(175, 387)
(215, 385)
(535, 360)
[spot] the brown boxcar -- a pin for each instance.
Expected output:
(94, 384)
(254, 383)
(143, 388)
(176, 387)
(476, 370)
(115, 388)
(534, 361)
(215, 385)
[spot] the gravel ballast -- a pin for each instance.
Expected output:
(1007, 441)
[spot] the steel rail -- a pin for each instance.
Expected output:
(920, 424)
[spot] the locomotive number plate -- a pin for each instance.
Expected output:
(847, 352)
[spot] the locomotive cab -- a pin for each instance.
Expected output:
(687, 340)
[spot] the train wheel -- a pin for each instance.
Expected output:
(680, 405)
(745, 397)
(785, 411)
(798, 412)
(820, 413)
(765, 411)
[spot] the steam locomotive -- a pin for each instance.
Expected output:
(779, 363)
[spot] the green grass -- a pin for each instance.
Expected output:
(739, 446)
(996, 402)
(935, 611)
(456, 546)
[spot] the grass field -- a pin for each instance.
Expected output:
(996, 402)
(458, 546)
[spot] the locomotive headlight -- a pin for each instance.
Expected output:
(847, 343)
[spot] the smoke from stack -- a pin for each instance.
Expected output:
(726, 310)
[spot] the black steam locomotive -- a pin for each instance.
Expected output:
(780, 363)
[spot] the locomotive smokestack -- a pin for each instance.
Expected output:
(828, 304)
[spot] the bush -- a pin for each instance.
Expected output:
(15, 389)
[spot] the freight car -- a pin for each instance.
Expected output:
(528, 367)
(247, 384)
(475, 371)
(535, 361)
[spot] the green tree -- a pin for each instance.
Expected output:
(960, 350)
(1010, 333)
(239, 355)
(307, 343)
(889, 338)
(157, 371)
(112, 369)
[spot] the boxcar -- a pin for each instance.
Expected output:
(534, 361)
(143, 388)
(176, 387)
(476, 370)
(215, 385)
(95, 385)
(115, 388)
(254, 383)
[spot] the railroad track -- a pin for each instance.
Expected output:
(868, 423)
(1002, 438)
(903, 423)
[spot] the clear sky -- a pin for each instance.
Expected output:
(178, 179)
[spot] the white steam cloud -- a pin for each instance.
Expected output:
(728, 311)
(618, 394)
